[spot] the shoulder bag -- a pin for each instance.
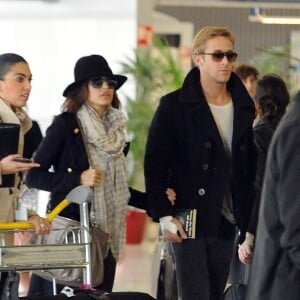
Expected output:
(73, 276)
(99, 247)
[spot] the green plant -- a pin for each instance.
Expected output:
(276, 60)
(156, 72)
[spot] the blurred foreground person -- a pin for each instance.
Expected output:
(275, 273)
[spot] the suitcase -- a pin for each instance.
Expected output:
(93, 295)
(9, 283)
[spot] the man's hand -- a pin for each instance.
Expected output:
(172, 230)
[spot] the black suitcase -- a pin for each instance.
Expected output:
(9, 282)
(95, 295)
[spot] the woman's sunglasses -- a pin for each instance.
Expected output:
(98, 82)
(218, 56)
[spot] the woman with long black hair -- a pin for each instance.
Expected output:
(271, 98)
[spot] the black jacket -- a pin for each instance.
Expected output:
(185, 151)
(63, 150)
(32, 140)
(275, 271)
(263, 133)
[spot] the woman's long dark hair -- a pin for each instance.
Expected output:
(77, 96)
(273, 97)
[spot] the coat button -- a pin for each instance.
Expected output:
(205, 167)
(69, 170)
(242, 147)
(207, 145)
(201, 192)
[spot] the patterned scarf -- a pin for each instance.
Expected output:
(105, 140)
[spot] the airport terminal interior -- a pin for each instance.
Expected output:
(52, 34)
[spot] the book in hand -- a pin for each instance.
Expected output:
(187, 217)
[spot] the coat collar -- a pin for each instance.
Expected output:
(191, 91)
(244, 110)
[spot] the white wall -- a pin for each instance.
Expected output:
(52, 36)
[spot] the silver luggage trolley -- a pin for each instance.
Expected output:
(74, 254)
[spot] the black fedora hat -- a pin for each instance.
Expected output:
(91, 66)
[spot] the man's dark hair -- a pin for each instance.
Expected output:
(244, 71)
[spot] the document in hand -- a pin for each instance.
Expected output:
(9, 142)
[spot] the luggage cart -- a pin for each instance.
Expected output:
(74, 254)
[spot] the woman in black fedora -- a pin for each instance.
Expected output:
(84, 145)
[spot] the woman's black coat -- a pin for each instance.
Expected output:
(63, 150)
(263, 133)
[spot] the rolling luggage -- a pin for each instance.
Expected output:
(94, 295)
(9, 283)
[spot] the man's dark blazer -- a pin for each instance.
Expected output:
(185, 151)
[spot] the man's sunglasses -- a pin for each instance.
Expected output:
(98, 82)
(218, 56)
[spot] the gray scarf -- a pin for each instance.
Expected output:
(105, 140)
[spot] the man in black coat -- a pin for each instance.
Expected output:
(200, 143)
(275, 271)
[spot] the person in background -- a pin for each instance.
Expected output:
(15, 87)
(200, 143)
(272, 98)
(85, 145)
(249, 76)
(275, 266)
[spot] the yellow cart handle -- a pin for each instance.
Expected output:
(26, 225)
